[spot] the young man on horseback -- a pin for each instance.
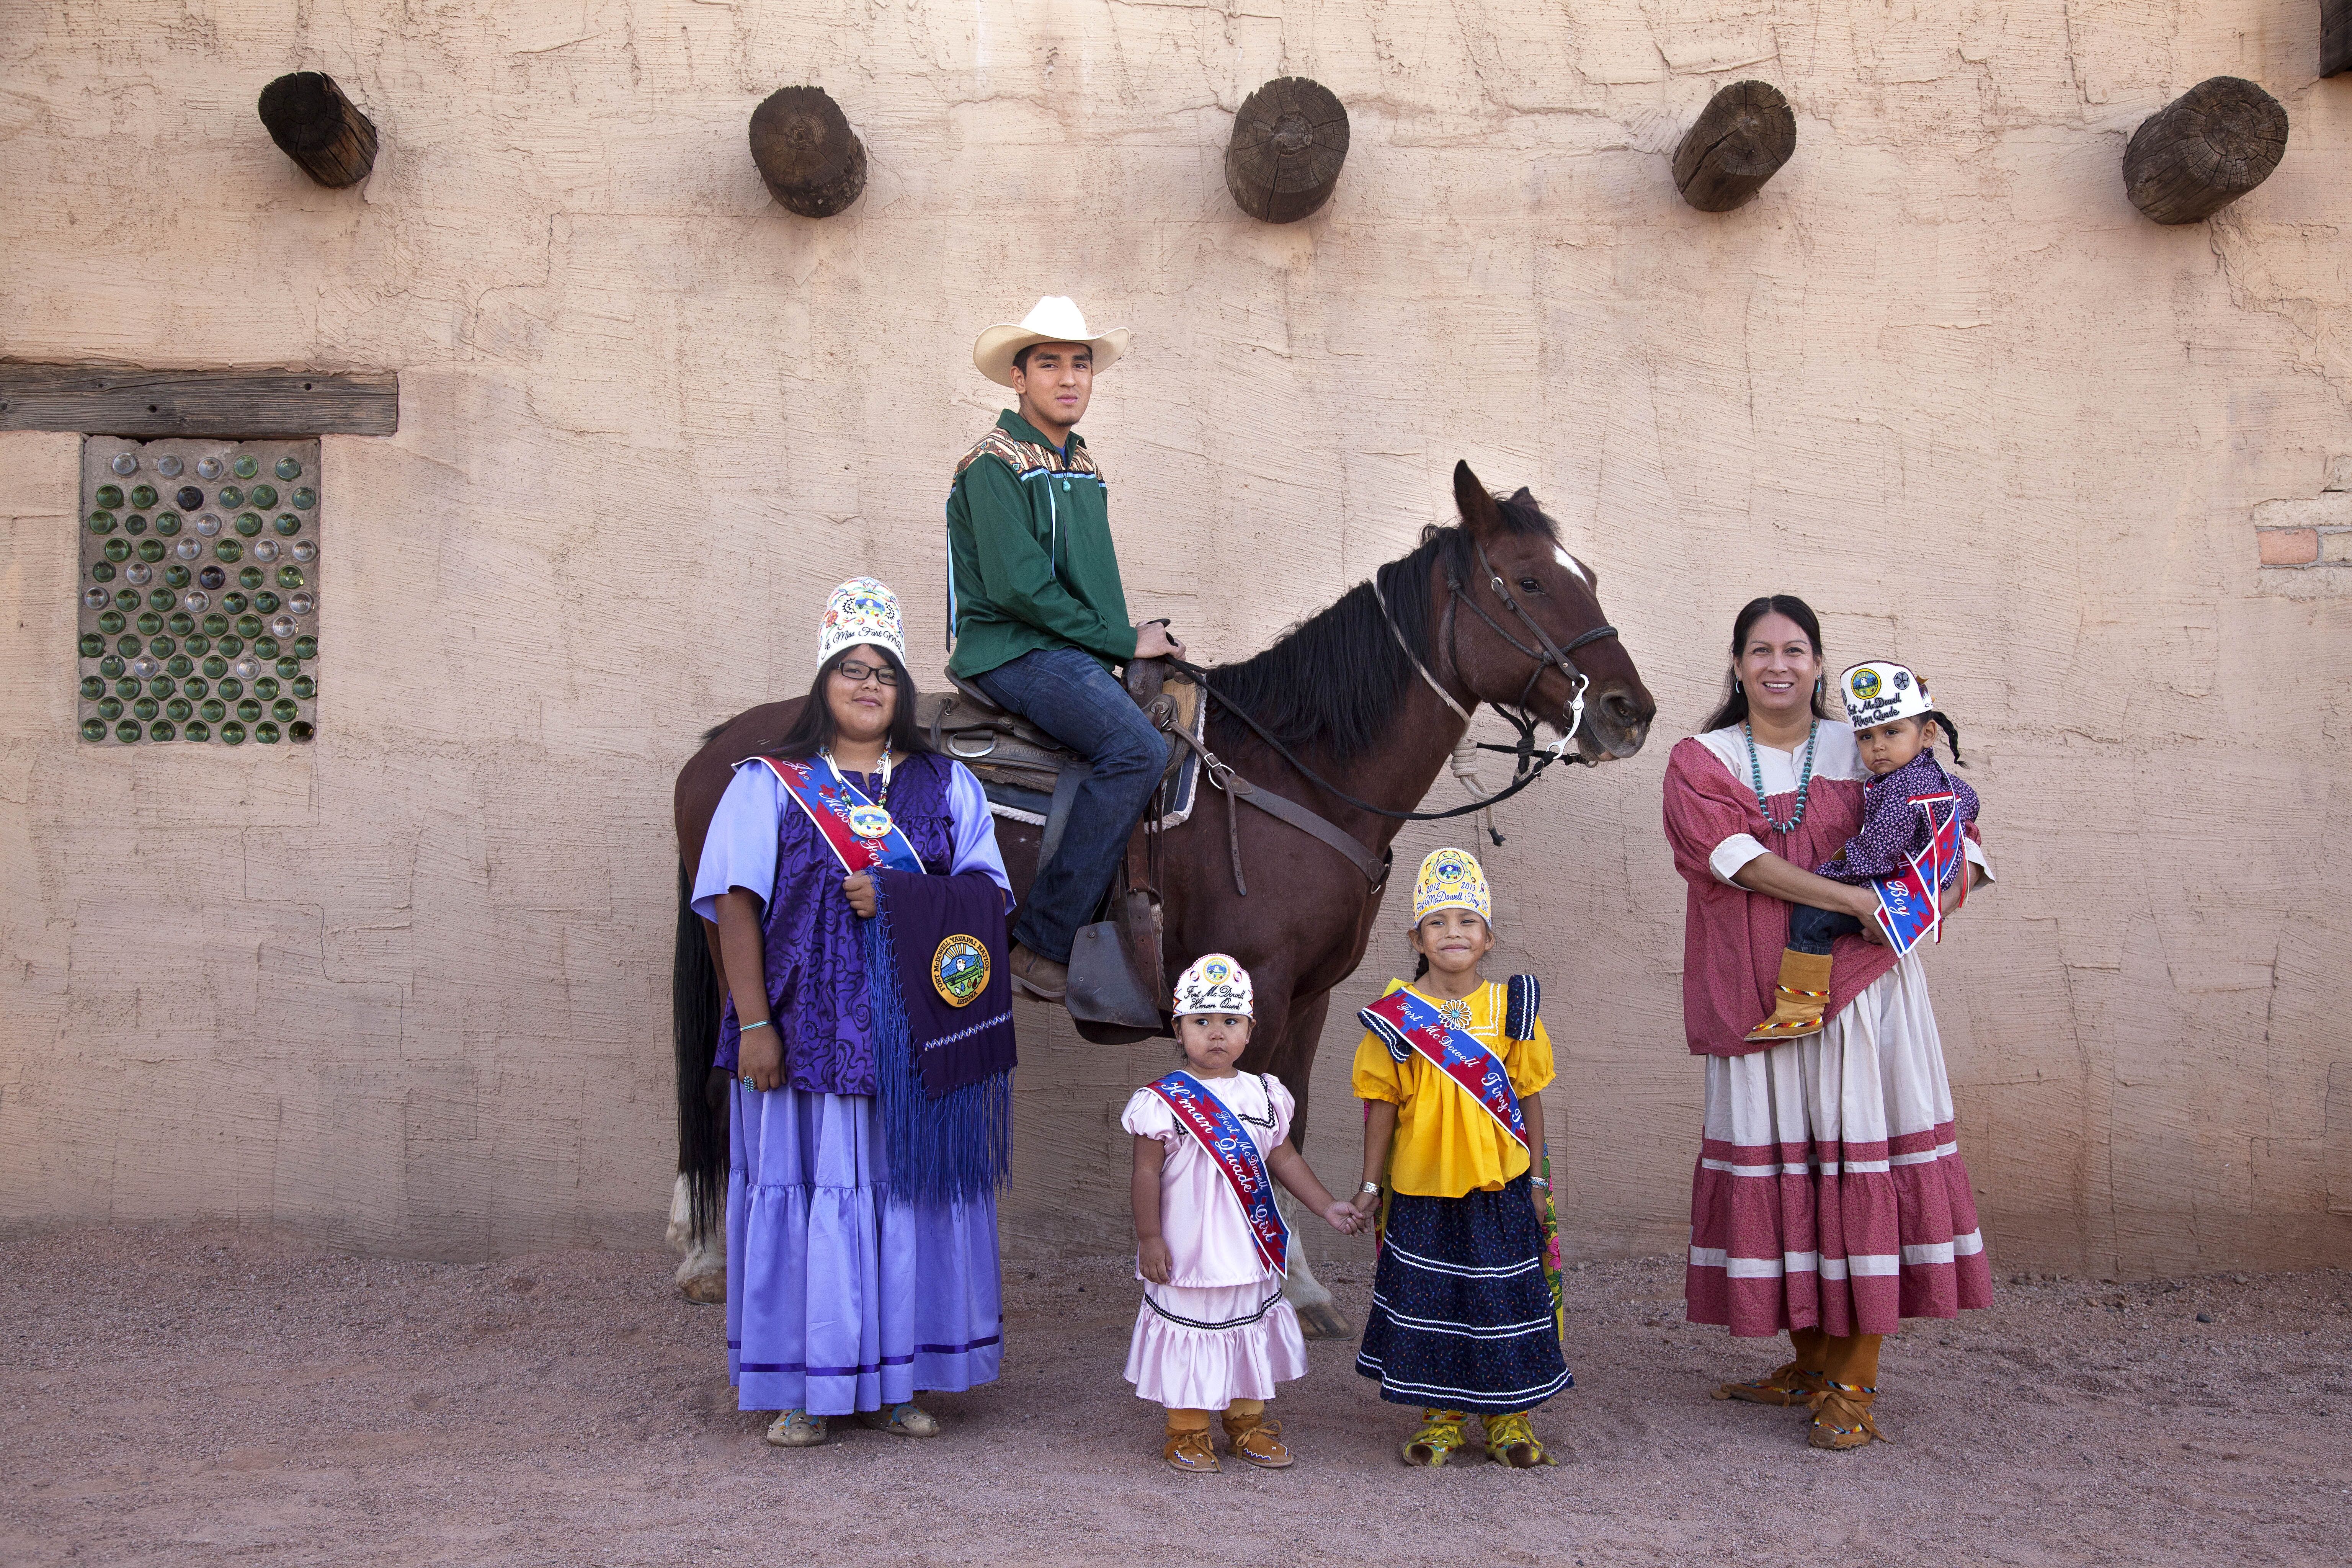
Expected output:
(1040, 618)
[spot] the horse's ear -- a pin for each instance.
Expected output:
(1522, 497)
(1479, 514)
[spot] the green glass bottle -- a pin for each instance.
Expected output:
(246, 465)
(198, 644)
(289, 576)
(264, 648)
(110, 709)
(249, 710)
(250, 578)
(197, 687)
(93, 644)
(150, 622)
(306, 647)
(101, 522)
(288, 468)
(92, 689)
(212, 710)
(102, 571)
(200, 730)
(231, 496)
(299, 731)
(144, 497)
(108, 495)
(290, 667)
(215, 667)
(266, 732)
(176, 576)
(146, 707)
(178, 709)
(162, 648)
(264, 496)
(303, 498)
(116, 550)
(127, 688)
(215, 624)
(127, 732)
(284, 709)
(265, 687)
(287, 523)
(159, 597)
(161, 685)
(129, 647)
(233, 732)
(151, 551)
(248, 626)
(161, 731)
(112, 623)
(93, 729)
(112, 666)
(229, 549)
(232, 603)
(248, 524)
(182, 666)
(167, 523)
(230, 687)
(231, 646)
(303, 687)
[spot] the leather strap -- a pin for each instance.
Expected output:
(1075, 772)
(1375, 868)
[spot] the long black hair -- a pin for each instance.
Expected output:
(813, 731)
(1936, 717)
(1735, 701)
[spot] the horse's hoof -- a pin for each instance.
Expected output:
(1321, 1321)
(709, 1290)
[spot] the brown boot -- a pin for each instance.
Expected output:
(1253, 1436)
(1038, 974)
(1842, 1409)
(1799, 1001)
(1794, 1383)
(1188, 1449)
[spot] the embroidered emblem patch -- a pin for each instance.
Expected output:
(1864, 684)
(869, 821)
(959, 970)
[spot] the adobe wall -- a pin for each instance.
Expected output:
(406, 987)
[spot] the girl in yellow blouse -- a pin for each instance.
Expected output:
(1465, 1317)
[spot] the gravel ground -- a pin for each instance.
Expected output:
(205, 1396)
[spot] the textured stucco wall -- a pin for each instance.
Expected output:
(406, 988)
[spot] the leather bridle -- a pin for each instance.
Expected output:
(1546, 655)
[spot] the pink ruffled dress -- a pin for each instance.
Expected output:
(1219, 1329)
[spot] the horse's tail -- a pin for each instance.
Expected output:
(701, 1105)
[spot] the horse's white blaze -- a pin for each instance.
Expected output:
(1565, 559)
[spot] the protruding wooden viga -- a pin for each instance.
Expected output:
(2204, 150)
(813, 162)
(323, 131)
(1739, 141)
(1288, 143)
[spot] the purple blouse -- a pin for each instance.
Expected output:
(761, 842)
(1893, 830)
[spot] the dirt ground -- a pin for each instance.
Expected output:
(211, 1396)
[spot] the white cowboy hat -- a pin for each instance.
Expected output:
(1054, 320)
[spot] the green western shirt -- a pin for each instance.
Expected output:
(1030, 560)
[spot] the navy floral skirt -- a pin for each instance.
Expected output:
(1461, 1311)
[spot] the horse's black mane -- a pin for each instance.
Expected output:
(1333, 680)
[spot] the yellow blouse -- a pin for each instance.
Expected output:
(1447, 1144)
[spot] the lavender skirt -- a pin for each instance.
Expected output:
(839, 1296)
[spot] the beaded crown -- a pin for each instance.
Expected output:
(861, 610)
(1451, 880)
(1881, 692)
(1214, 984)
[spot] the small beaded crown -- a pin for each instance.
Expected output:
(1213, 983)
(1451, 880)
(861, 610)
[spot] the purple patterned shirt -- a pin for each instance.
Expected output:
(1892, 829)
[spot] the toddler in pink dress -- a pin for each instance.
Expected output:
(1214, 1332)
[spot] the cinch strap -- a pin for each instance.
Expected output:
(1406, 1023)
(1220, 1132)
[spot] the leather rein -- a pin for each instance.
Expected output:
(1546, 655)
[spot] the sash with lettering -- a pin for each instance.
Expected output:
(1909, 902)
(1406, 1023)
(829, 799)
(1229, 1143)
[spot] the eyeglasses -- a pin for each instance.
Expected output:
(857, 674)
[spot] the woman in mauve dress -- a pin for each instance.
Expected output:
(1830, 1200)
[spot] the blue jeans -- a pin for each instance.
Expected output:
(1812, 930)
(1075, 699)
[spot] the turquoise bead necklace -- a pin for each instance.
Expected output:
(1804, 779)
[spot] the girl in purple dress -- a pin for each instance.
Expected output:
(861, 1258)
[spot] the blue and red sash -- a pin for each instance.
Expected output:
(828, 798)
(1229, 1143)
(1910, 903)
(1405, 1022)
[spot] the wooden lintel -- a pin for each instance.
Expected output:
(130, 400)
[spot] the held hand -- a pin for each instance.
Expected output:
(1539, 1195)
(1365, 1205)
(761, 1057)
(1154, 640)
(1864, 908)
(860, 889)
(1152, 1258)
(1344, 1218)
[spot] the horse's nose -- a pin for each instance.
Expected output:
(1621, 709)
(1629, 715)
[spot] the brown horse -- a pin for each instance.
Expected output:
(1340, 693)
